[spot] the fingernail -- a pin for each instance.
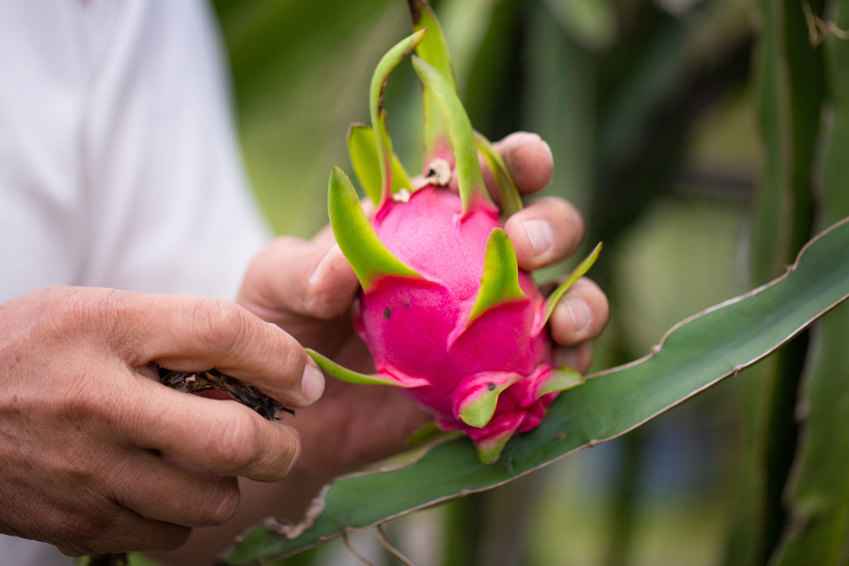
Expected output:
(579, 312)
(324, 264)
(540, 235)
(312, 382)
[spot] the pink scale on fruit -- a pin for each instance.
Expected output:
(422, 327)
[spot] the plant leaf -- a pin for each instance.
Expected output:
(490, 449)
(378, 113)
(791, 84)
(591, 22)
(350, 376)
(500, 277)
(576, 274)
(469, 178)
(368, 257)
(434, 50)
(694, 355)
(362, 149)
(479, 410)
(818, 498)
(561, 379)
(511, 200)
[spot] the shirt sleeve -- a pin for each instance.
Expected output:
(118, 161)
(169, 206)
(131, 177)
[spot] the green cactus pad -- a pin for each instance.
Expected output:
(500, 278)
(561, 379)
(368, 257)
(362, 149)
(378, 113)
(576, 274)
(469, 178)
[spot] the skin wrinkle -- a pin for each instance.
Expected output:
(224, 445)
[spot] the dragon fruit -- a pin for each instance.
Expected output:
(444, 309)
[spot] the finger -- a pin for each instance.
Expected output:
(581, 314)
(578, 357)
(120, 530)
(545, 232)
(222, 437)
(311, 279)
(132, 534)
(529, 159)
(196, 333)
(162, 489)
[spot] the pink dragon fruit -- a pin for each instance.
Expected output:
(444, 309)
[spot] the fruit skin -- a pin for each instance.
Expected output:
(444, 309)
(423, 327)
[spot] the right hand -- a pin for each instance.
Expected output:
(307, 287)
(97, 455)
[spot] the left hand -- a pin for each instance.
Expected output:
(307, 287)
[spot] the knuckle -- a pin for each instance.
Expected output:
(219, 502)
(321, 304)
(82, 400)
(235, 444)
(218, 323)
(292, 454)
(327, 292)
(78, 531)
(105, 314)
(286, 451)
(71, 310)
(93, 309)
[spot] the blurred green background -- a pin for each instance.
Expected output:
(662, 136)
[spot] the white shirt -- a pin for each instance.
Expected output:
(118, 163)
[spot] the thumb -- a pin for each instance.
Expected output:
(291, 276)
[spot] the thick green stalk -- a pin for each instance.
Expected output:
(564, 116)
(791, 94)
(819, 499)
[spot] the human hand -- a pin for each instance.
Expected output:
(307, 287)
(97, 455)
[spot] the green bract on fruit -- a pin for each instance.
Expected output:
(444, 309)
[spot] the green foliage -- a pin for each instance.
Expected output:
(693, 356)
(368, 256)
(819, 494)
(661, 123)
